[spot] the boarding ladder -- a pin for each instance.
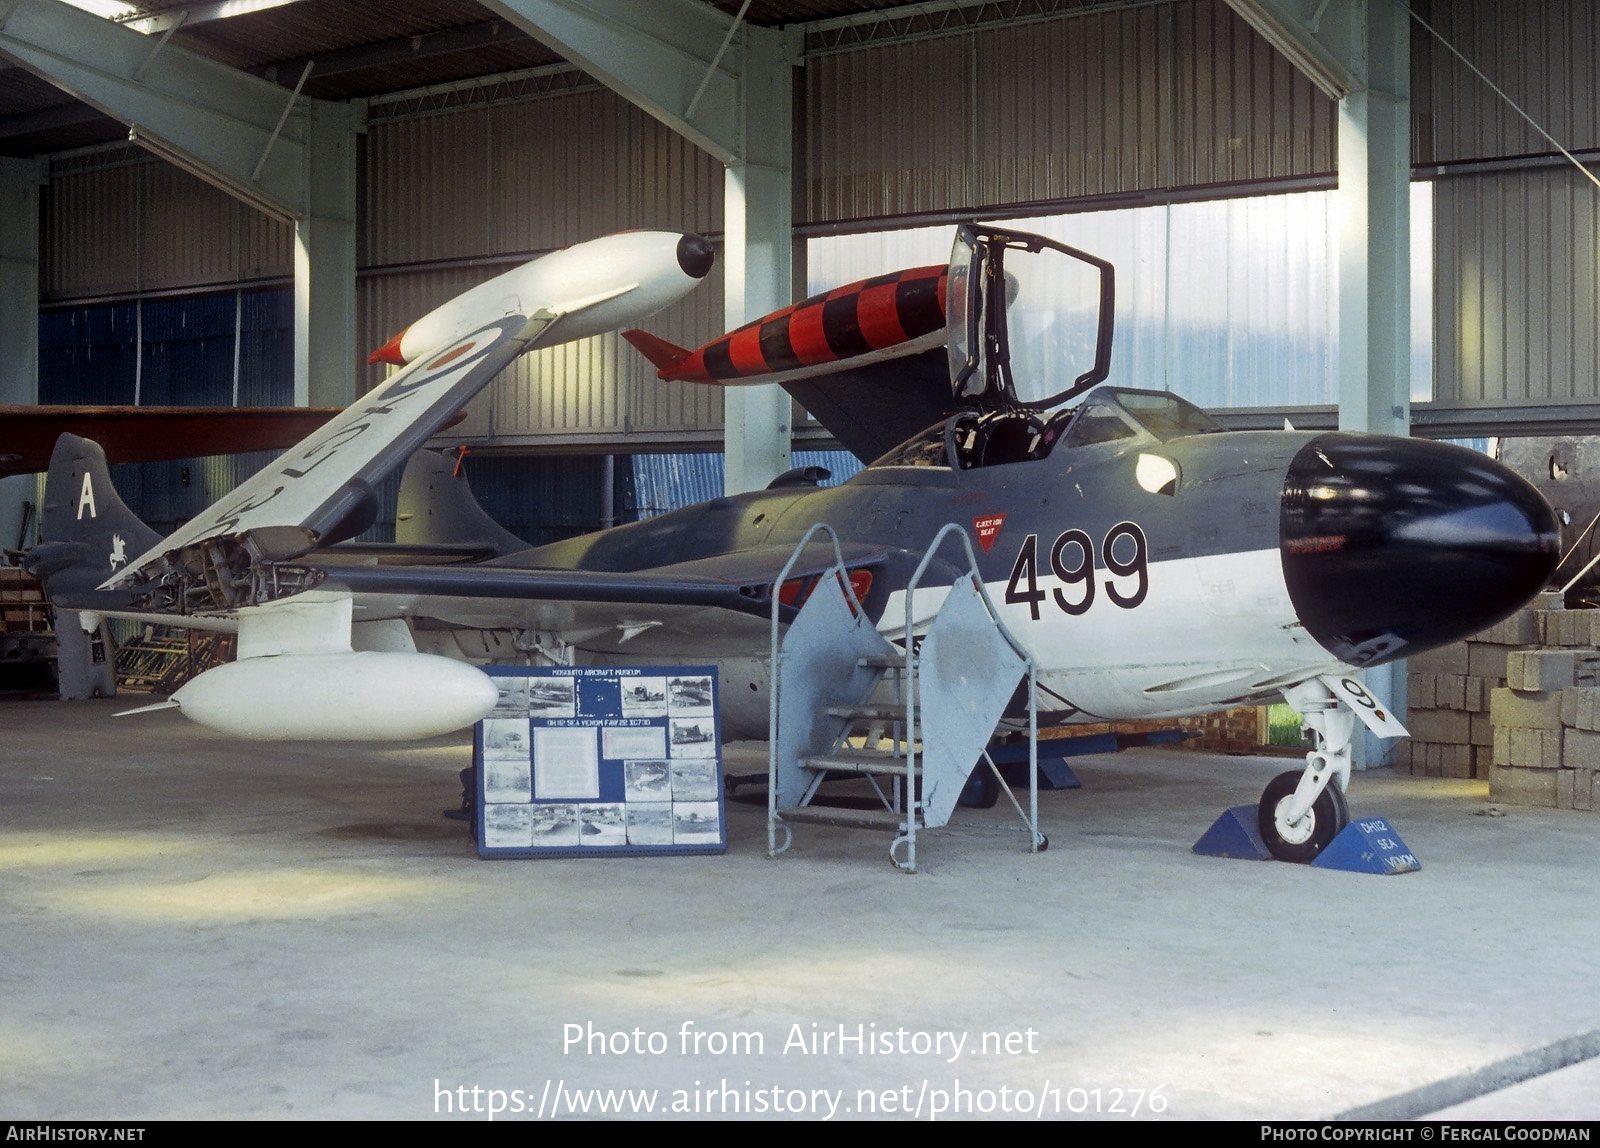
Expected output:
(913, 721)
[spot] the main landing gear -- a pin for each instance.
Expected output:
(1300, 813)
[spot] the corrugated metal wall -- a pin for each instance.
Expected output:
(666, 482)
(539, 499)
(118, 222)
(1518, 304)
(532, 176)
(1242, 112)
(1544, 54)
(1153, 97)
(91, 354)
(526, 176)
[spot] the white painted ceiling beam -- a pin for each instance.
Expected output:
(221, 124)
(656, 54)
(192, 14)
(1325, 39)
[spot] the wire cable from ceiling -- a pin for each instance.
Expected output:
(1434, 32)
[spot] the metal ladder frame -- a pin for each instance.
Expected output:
(1031, 818)
(774, 822)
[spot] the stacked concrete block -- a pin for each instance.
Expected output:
(1441, 702)
(1550, 758)
(1447, 700)
(1570, 628)
(1547, 717)
(1448, 691)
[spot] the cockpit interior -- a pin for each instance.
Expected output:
(970, 440)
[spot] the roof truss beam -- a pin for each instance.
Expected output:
(667, 57)
(403, 49)
(400, 50)
(203, 13)
(221, 124)
(1325, 39)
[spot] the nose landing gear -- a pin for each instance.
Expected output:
(1300, 841)
(1300, 813)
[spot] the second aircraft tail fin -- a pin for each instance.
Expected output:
(86, 531)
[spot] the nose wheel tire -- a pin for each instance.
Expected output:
(982, 789)
(1301, 841)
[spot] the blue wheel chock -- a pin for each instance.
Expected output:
(1236, 833)
(1368, 845)
(1054, 773)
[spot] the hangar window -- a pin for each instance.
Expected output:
(1231, 302)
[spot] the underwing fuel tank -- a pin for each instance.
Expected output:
(345, 696)
(596, 287)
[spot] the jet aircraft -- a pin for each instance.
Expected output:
(1154, 564)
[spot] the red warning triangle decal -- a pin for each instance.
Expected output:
(988, 528)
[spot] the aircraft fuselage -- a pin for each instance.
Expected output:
(1269, 558)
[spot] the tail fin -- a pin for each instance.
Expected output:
(436, 507)
(86, 531)
(664, 355)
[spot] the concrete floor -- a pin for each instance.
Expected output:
(196, 927)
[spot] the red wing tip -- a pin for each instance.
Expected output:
(390, 352)
(663, 355)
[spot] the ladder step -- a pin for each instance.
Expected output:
(844, 818)
(884, 662)
(857, 761)
(870, 711)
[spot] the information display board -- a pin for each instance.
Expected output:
(590, 760)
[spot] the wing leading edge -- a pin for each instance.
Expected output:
(322, 490)
(742, 582)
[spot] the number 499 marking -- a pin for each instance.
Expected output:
(1072, 562)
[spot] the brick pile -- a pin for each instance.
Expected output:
(1231, 731)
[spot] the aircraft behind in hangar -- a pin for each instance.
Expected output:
(1153, 564)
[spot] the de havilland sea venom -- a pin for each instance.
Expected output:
(1154, 564)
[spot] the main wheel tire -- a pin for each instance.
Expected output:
(982, 789)
(1303, 842)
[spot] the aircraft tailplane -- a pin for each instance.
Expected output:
(663, 355)
(87, 532)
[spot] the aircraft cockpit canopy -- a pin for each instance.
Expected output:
(1028, 328)
(1110, 414)
(1163, 414)
(1028, 320)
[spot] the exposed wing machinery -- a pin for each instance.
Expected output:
(319, 492)
(323, 490)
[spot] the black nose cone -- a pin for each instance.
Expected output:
(1392, 546)
(696, 255)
